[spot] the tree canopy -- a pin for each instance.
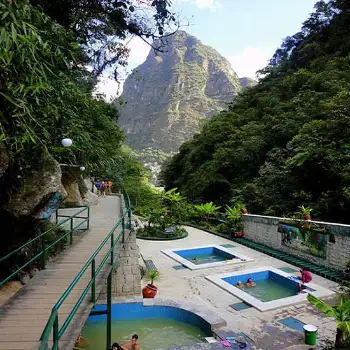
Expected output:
(284, 142)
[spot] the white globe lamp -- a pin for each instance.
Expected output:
(66, 142)
(82, 168)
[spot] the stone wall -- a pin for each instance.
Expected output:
(263, 229)
(127, 276)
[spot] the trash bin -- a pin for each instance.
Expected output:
(310, 334)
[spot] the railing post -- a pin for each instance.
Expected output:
(56, 216)
(109, 311)
(71, 231)
(123, 229)
(88, 219)
(129, 218)
(112, 247)
(93, 286)
(55, 334)
(43, 255)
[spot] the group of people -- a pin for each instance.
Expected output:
(129, 344)
(250, 283)
(305, 277)
(104, 187)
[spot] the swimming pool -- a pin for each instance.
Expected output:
(205, 256)
(156, 326)
(274, 288)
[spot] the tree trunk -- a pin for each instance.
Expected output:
(339, 339)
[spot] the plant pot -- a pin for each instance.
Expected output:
(238, 234)
(244, 211)
(149, 291)
(346, 274)
(307, 217)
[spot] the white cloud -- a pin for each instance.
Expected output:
(203, 4)
(249, 61)
(138, 54)
(138, 50)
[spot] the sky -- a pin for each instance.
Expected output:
(246, 32)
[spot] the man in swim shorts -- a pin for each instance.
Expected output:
(133, 343)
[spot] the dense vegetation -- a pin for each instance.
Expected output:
(284, 142)
(51, 56)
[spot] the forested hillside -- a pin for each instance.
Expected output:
(286, 141)
(51, 55)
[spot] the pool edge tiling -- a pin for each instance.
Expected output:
(217, 279)
(240, 257)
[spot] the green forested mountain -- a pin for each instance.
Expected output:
(285, 141)
(170, 95)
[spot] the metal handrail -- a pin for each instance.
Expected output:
(44, 248)
(53, 322)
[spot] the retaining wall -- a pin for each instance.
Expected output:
(263, 229)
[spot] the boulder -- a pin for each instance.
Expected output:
(73, 193)
(37, 188)
(4, 159)
(90, 198)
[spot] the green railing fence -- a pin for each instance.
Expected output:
(53, 324)
(41, 240)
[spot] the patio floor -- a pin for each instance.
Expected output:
(263, 328)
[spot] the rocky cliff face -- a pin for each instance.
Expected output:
(170, 94)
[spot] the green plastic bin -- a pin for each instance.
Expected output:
(310, 332)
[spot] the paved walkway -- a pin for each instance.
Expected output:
(24, 317)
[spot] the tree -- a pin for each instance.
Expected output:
(285, 141)
(101, 27)
(341, 313)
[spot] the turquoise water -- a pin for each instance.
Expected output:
(153, 333)
(267, 290)
(205, 258)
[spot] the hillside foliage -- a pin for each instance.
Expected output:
(286, 141)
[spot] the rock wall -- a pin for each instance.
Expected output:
(127, 277)
(263, 229)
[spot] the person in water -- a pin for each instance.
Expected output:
(195, 258)
(133, 343)
(305, 275)
(240, 285)
(250, 283)
(116, 346)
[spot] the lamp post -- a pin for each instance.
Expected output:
(66, 142)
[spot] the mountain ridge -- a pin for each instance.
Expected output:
(170, 95)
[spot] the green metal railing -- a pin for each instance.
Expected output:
(41, 240)
(53, 325)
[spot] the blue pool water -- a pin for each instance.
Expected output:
(269, 285)
(156, 326)
(204, 255)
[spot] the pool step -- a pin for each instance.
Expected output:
(329, 273)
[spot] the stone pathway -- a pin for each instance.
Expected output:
(24, 316)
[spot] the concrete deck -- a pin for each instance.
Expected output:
(262, 327)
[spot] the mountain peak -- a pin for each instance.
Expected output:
(174, 91)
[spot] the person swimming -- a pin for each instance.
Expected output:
(133, 343)
(240, 285)
(195, 259)
(250, 283)
(116, 346)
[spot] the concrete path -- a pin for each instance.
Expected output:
(24, 316)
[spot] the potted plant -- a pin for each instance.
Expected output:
(306, 212)
(150, 290)
(347, 270)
